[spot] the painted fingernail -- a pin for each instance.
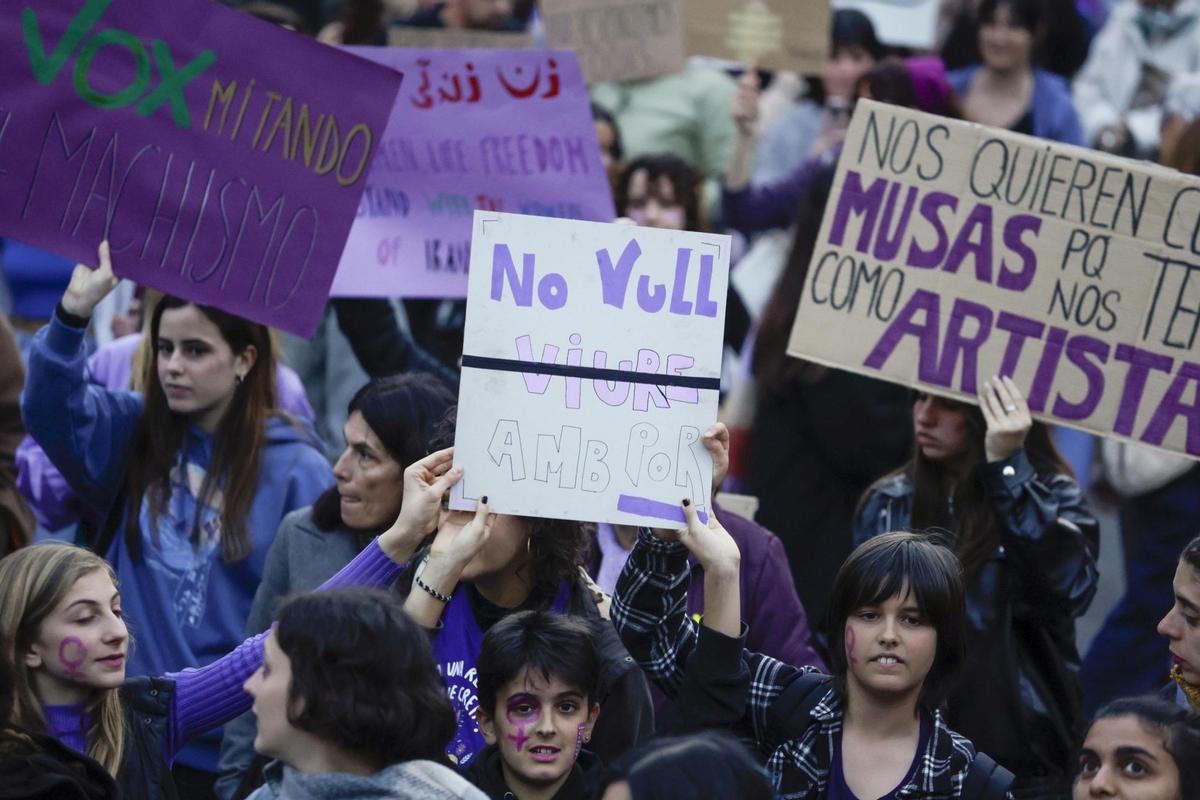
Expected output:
(687, 502)
(483, 499)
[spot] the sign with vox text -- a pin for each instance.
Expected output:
(222, 157)
(950, 252)
(501, 130)
(591, 368)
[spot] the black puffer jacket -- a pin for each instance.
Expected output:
(1019, 698)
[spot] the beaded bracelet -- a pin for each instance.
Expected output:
(429, 590)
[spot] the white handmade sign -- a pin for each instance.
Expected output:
(591, 367)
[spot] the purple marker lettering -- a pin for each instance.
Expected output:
(72, 653)
(579, 739)
(850, 646)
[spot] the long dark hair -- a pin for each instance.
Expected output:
(364, 676)
(849, 28)
(977, 532)
(402, 411)
(774, 371)
(240, 438)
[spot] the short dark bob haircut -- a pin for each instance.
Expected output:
(686, 182)
(885, 566)
(363, 676)
(547, 644)
(706, 764)
(1178, 726)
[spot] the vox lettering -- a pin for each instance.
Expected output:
(82, 41)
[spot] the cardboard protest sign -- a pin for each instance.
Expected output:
(618, 40)
(591, 368)
(779, 34)
(222, 157)
(950, 252)
(900, 23)
(457, 38)
(503, 130)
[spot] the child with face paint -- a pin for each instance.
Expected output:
(873, 730)
(539, 677)
(60, 610)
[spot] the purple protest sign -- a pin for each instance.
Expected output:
(222, 157)
(499, 130)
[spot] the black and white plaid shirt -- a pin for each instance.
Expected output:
(650, 612)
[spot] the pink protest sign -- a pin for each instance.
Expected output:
(498, 130)
(222, 157)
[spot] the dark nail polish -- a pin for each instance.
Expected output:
(687, 502)
(484, 499)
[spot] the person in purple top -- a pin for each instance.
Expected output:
(61, 609)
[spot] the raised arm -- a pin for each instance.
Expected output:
(1048, 531)
(212, 695)
(85, 430)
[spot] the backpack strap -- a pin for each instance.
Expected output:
(790, 714)
(986, 780)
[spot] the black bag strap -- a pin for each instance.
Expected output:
(986, 780)
(790, 714)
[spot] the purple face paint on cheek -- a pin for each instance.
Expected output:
(71, 654)
(850, 646)
(521, 722)
(579, 739)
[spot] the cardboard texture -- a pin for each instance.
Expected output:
(950, 252)
(900, 23)
(632, 321)
(221, 156)
(618, 40)
(457, 39)
(779, 34)
(504, 130)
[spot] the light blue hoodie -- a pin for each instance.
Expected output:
(185, 607)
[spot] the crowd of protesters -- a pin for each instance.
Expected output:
(227, 569)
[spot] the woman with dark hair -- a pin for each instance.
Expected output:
(706, 764)
(523, 563)
(350, 704)
(389, 425)
(818, 120)
(1008, 89)
(1141, 748)
(820, 436)
(1028, 546)
(661, 191)
(192, 476)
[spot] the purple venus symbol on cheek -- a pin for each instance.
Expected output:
(72, 653)
(850, 646)
(519, 738)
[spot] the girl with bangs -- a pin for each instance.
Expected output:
(191, 476)
(1028, 545)
(873, 728)
(67, 645)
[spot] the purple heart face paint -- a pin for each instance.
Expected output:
(540, 727)
(850, 659)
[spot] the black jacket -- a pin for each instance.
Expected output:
(144, 773)
(485, 771)
(1019, 698)
(34, 766)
